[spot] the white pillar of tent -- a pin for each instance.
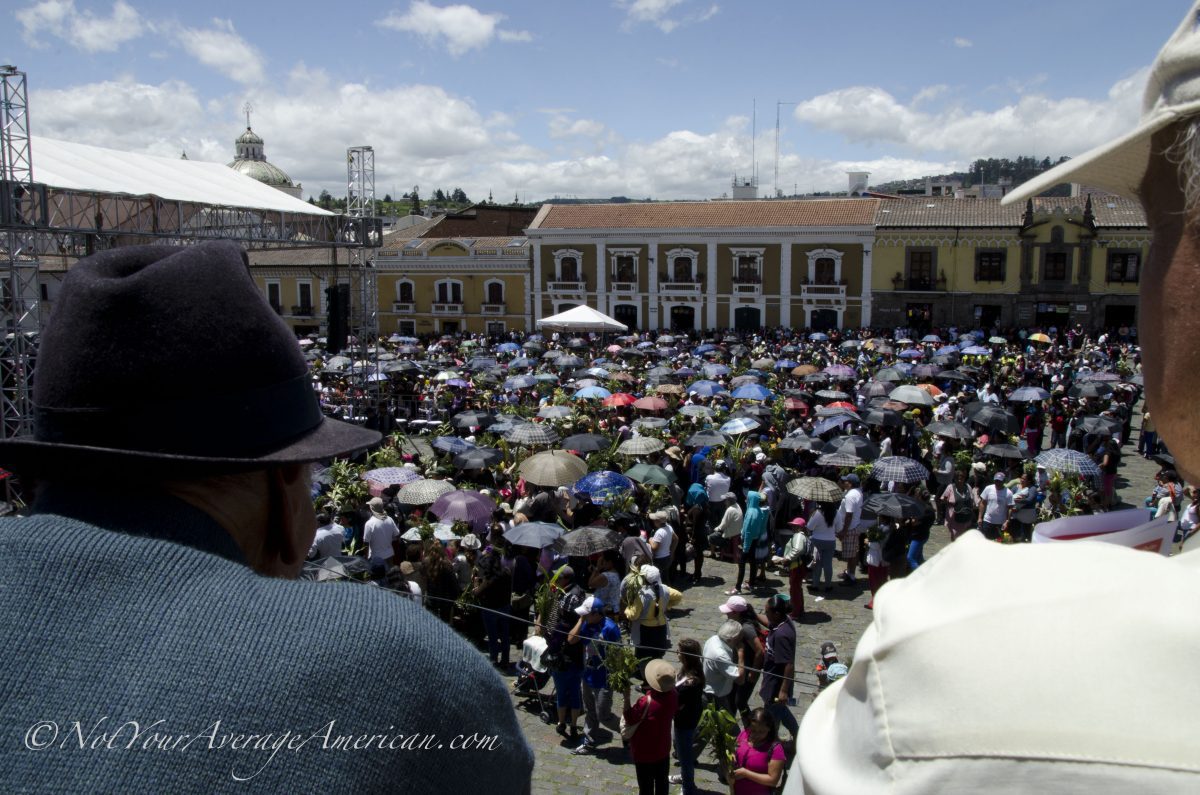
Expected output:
(601, 278)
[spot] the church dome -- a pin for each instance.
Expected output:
(251, 161)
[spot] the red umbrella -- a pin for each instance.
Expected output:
(841, 404)
(795, 404)
(650, 403)
(618, 399)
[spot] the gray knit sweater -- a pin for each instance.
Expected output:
(152, 659)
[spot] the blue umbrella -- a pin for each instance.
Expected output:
(520, 382)
(931, 338)
(752, 392)
(597, 392)
(818, 336)
(452, 444)
(715, 370)
(910, 353)
(739, 425)
(700, 350)
(521, 362)
(786, 364)
(507, 347)
(546, 378)
(946, 350)
(604, 486)
(685, 372)
(977, 350)
(705, 388)
(829, 423)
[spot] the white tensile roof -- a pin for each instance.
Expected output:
(581, 318)
(71, 166)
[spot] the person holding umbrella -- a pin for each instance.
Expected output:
(849, 520)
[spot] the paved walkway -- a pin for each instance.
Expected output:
(841, 618)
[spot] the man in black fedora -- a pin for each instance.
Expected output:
(153, 638)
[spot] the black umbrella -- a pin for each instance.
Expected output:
(950, 430)
(800, 443)
(956, 375)
(897, 506)
(1102, 425)
(886, 418)
(706, 439)
(989, 415)
(1091, 389)
(472, 419)
(479, 458)
(587, 541)
(1003, 451)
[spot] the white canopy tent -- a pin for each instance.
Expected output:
(80, 167)
(581, 318)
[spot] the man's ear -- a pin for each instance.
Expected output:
(291, 522)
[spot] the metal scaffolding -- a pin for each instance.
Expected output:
(363, 228)
(19, 283)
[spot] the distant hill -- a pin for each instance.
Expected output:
(986, 171)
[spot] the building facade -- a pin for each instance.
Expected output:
(702, 265)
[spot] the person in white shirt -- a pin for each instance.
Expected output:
(717, 485)
(662, 542)
(729, 526)
(379, 533)
(328, 540)
(724, 664)
(849, 519)
(995, 507)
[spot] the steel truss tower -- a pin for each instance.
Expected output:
(361, 229)
(19, 280)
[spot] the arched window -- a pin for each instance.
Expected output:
(570, 269)
(404, 292)
(494, 292)
(448, 291)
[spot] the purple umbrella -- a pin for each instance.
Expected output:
(457, 382)
(839, 371)
(467, 506)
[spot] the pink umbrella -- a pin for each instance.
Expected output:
(467, 506)
(649, 403)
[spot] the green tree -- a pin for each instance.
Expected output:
(459, 196)
(387, 197)
(325, 200)
(416, 201)
(439, 195)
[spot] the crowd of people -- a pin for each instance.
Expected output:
(824, 456)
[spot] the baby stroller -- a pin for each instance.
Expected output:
(532, 677)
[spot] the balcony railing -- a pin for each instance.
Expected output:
(568, 287)
(304, 310)
(692, 286)
(746, 285)
(823, 293)
(448, 309)
(493, 309)
(404, 307)
(624, 287)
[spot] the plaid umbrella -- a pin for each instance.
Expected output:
(452, 444)
(819, 489)
(603, 486)
(506, 422)
(901, 469)
(897, 506)
(641, 445)
(696, 411)
(465, 506)
(422, 492)
(553, 468)
(739, 425)
(478, 458)
(532, 435)
(859, 446)
(650, 474)
(830, 394)
(1003, 451)
(587, 541)
(1059, 459)
(537, 535)
(839, 460)
(389, 476)
(706, 439)
(586, 442)
(950, 430)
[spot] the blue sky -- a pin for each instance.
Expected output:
(590, 98)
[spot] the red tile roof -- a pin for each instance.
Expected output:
(710, 215)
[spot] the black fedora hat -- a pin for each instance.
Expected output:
(164, 356)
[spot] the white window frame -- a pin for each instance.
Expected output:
(562, 254)
(487, 299)
(312, 301)
(675, 254)
(410, 282)
(756, 253)
(614, 254)
(488, 325)
(411, 331)
(825, 253)
(437, 291)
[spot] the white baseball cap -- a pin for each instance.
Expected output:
(1172, 93)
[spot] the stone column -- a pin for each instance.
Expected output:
(710, 282)
(537, 282)
(601, 278)
(785, 283)
(866, 283)
(653, 318)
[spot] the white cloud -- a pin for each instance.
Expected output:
(460, 28)
(221, 48)
(660, 13)
(563, 127)
(963, 43)
(83, 30)
(1033, 124)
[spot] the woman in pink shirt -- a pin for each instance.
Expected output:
(759, 758)
(650, 745)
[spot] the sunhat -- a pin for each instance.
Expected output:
(660, 675)
(1172, 93)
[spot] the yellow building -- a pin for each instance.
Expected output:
(943, 261)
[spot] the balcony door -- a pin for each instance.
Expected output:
(824, 319)
(627, 314)
(683, 318)
(747, 318)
